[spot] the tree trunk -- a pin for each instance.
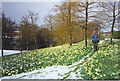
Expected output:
(35, 42)
(46, 42)
(113, 22)
(2, 51)
(69, 19)
(27, 45)
(20, 45)
(85, 38)
(2, 45)
(28, 41)
(86, 24)
(111, 35)
(52, 40)
(70, 39)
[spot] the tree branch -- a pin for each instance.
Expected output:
(116, 15)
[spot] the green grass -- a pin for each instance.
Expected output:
(40, 58)
(104, 64)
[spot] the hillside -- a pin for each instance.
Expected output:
(101, 65)
(65, 62)
(40, 58)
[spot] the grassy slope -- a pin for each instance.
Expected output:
(36, 59)
(104, 64)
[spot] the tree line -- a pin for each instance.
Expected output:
(71, 23)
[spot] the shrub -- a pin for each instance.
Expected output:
(116, 35)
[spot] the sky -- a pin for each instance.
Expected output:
(15, 10)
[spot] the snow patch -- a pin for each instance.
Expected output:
(9, 52)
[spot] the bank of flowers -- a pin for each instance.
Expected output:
(41, 58)
(104, 64)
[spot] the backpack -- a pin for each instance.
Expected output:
(95, 37)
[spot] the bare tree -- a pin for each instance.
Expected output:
(29, 28)
(65, 17)
(110, 11)
(85, 10)
(49, 21)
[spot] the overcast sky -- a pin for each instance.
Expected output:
(15, 10)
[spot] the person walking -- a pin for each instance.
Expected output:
(95, 40)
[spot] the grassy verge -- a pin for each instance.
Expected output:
(40, 58)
